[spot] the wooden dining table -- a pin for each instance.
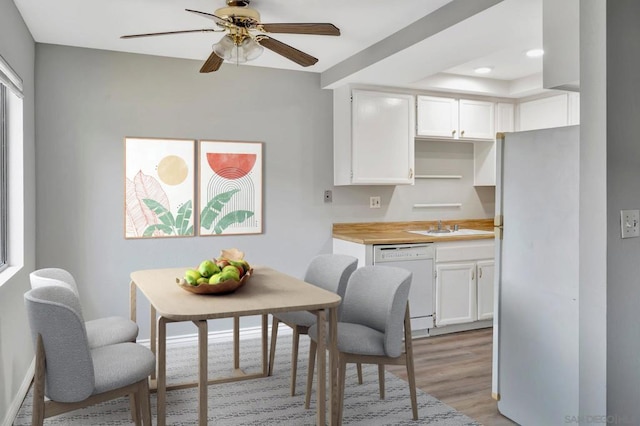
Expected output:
(267, 291)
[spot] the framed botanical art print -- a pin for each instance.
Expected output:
(159, 187)
(230, 187)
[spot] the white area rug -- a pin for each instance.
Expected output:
(264, 401)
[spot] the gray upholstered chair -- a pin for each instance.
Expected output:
(329, 271)
(101, 331)
(375, 310)
(70, 373)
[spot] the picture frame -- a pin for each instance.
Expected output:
(159, 187)
(230, 188)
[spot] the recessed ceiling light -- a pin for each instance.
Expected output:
(483, 70)
(535, 53)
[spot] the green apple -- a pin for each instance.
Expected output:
(191, 276)
(202, 280)
(208, 268)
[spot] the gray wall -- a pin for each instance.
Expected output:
(89, 100)
(16, 353)
(623, 191)
(593, 209)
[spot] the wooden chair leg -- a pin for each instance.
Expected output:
(37, 416)
(381, 379)
(359, 368)
(272, 349)
(144, 403)
(313, 347)
(294, 359)
(134, 406)
(342, 372)
(408, 348)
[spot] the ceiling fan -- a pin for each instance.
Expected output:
(245, 38)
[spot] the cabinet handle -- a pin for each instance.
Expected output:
(473, 275)
(410, 173)
(479, 272)
(462, 134)
(453, 133)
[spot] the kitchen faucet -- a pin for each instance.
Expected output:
(439, 225)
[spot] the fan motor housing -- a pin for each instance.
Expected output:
(240, 16)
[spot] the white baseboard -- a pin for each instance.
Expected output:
(182, 340)
(15, 405)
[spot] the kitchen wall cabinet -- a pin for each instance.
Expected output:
(373, 137)
(553, 111)
(484, 152)
(456, 119)
(464, 282)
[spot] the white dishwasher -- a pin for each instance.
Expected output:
(417, 258)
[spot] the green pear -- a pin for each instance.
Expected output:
(208, 268)
(240, 265)
(215, 278)
(191, 276)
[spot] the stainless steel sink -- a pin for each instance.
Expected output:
(449, 232)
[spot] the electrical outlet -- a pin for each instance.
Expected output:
(328, 197)
(374, 202)
(630, 223)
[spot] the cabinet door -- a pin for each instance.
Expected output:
(437, 117)
(485, 273)
(476, 119)
(455, 293)
(382, 138)
(543, 113)
(505, 117)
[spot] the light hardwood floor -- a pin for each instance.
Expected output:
(456, 369)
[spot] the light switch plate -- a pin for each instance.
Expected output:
(630, 223)
(374, 202)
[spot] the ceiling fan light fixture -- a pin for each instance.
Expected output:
(224, 48)
(250, 49)
(238, 50)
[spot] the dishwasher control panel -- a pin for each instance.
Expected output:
(399, 252)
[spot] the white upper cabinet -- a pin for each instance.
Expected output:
(476, 119)
(554, 111)
(373, 138)
(437, 117)
(484, 152)
(451, 118)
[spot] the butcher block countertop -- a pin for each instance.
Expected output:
(397, 232)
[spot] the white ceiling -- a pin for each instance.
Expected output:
(496, 37)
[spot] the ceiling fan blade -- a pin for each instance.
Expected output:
(206, 30)
(287, 51)
(303, 28)
(212, 63)
(210, 16)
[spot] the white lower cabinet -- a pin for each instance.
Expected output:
(485, 275)
(455, 293)
(464, 282)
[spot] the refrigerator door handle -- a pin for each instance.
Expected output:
(498, 226)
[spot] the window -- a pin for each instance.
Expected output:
(11, 168)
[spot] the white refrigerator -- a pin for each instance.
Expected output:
(535, 358)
